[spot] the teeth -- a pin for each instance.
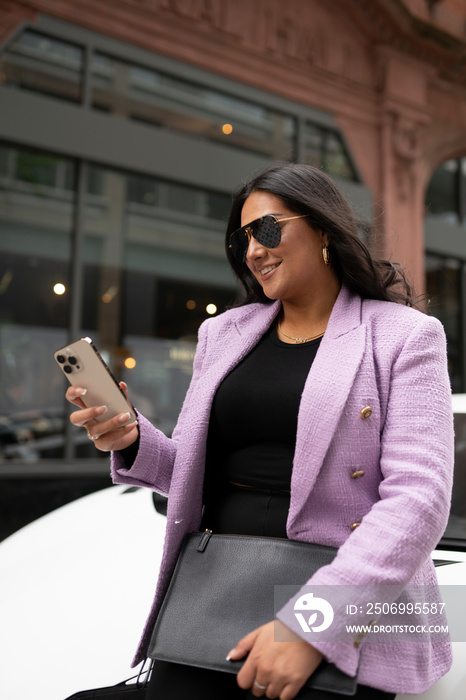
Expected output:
(265, 270)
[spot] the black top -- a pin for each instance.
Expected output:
(252, 435)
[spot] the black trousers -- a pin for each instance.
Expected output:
(177, 682)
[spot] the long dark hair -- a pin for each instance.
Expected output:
(305, 189)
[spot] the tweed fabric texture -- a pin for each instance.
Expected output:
(378, 354)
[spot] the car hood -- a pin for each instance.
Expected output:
(76, 589)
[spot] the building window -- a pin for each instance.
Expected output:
(49, 65)
(46, 175)
(43, 64)
(324, 149)
(37, 206)
(168, 102)
(446, 194)
(152, 267)
(154, 193)
(445, 204)
(444, 290)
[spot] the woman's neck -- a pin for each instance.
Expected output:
(309, 317)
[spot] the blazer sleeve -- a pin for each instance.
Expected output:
(153, 465)
(396, 537)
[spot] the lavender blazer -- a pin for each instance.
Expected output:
(374, 354)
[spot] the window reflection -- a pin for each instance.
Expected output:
(442, 197)
(165, 101)
(36, 218)
(43, 64)
(32, 419)
(140, 233)
(150, 246)
(324, 149)
(51, 176)
(151, 192)
(160, 378)
(456, 527)
(444, 291)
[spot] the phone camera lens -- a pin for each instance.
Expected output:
(72, 360)
(67, 369)
(61, 359)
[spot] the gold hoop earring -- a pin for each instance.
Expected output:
(326, 255)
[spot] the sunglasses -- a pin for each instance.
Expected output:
(266, 231)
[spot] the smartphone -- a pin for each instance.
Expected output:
(83, 366)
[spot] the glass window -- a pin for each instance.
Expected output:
(442, 196)
(144, 190)
(185, 199)
(43, 64)
(95, 181)
(154, 269)
(176, 197)
(218, 206)
(444, 291)
(151, 97)
(336, 161)
(313, 145)
(324, 149)
(36, 219)
(456, 527)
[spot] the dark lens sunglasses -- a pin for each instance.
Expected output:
(265, 230)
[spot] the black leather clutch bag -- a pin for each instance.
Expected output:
(222, 588)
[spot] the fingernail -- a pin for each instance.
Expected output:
(228, 656)
(124, 417)
(100, 410)
(80, 392)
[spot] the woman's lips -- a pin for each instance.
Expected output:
(265, 272)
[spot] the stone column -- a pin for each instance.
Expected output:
(403, 120)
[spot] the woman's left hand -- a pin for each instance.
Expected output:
(275, 669)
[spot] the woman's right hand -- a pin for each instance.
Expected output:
(106, 435)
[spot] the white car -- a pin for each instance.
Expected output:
(74, 596)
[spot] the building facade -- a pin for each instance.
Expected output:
(126, 125)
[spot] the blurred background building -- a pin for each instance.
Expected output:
(125, 125)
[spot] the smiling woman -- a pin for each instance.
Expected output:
(319, 411)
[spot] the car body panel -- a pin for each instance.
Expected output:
(74, 597)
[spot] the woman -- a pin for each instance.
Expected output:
(319, 410)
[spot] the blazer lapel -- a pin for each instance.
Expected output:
(235, 341)
(325, 393)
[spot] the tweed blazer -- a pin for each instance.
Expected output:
(380, 356)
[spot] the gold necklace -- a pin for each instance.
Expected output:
(299, 340)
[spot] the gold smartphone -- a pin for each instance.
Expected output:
(83, 366)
